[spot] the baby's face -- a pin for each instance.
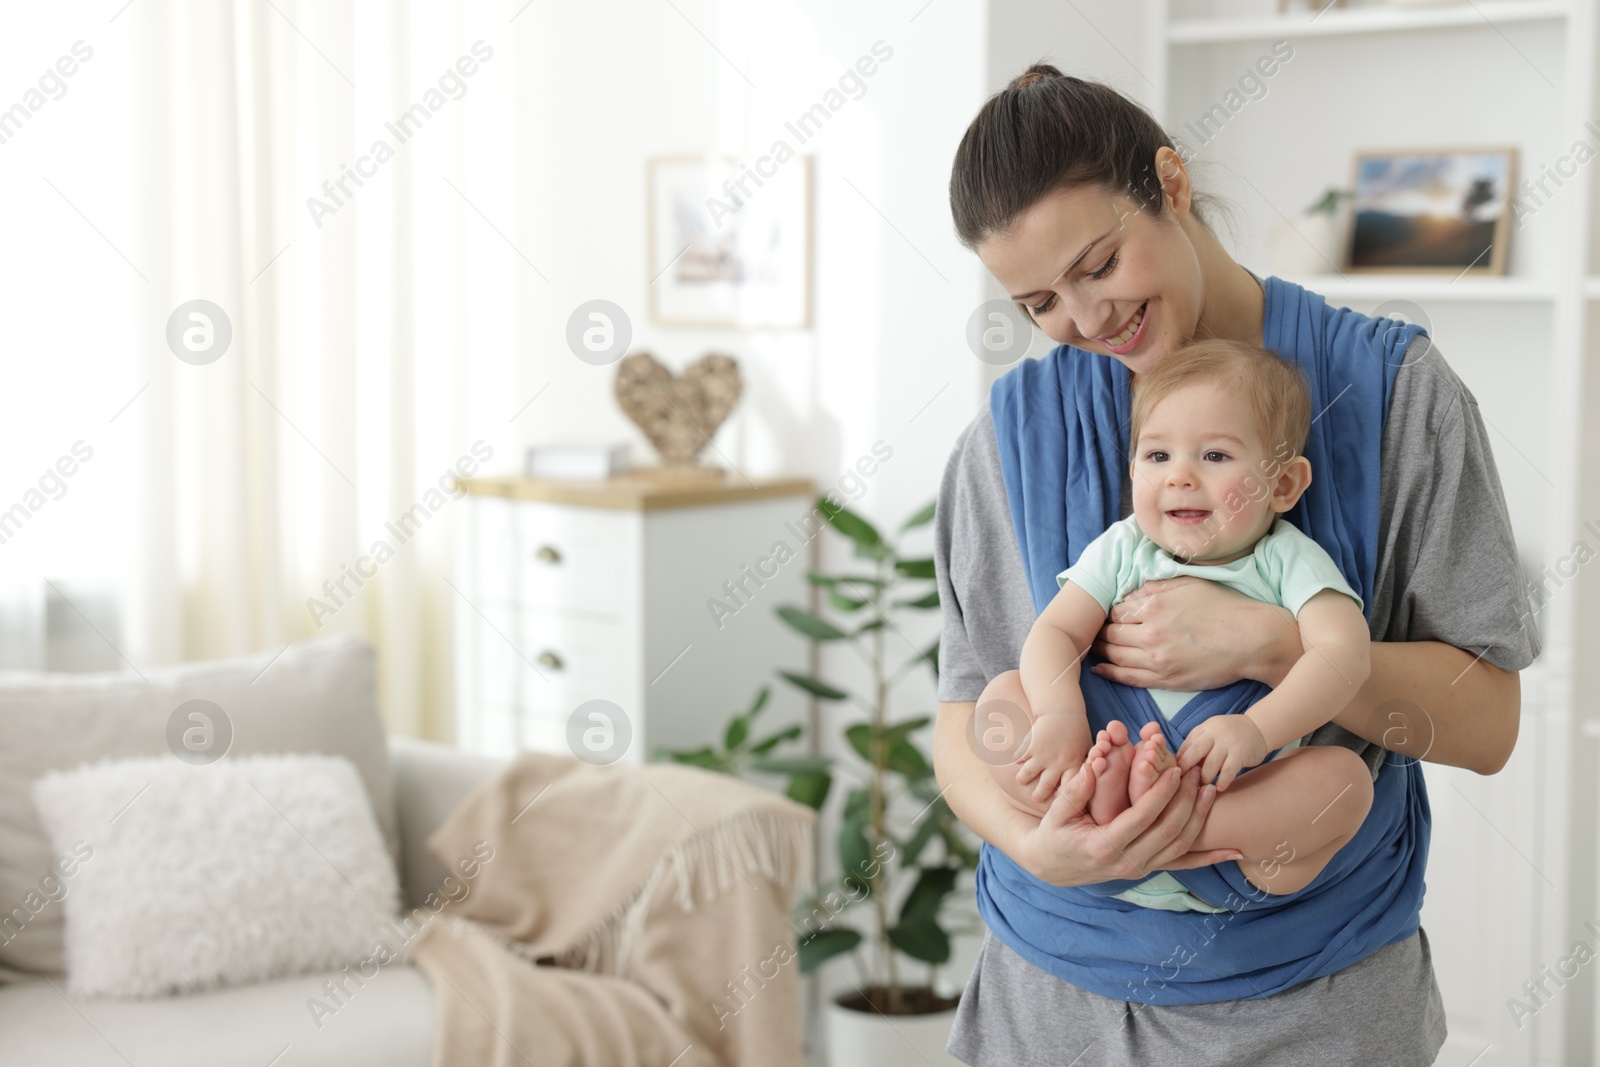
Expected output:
(1202, 476)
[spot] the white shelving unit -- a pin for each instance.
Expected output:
(1423, 287)
(1374, 18)
(1512, 876)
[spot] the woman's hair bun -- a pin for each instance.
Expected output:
(1035, 74)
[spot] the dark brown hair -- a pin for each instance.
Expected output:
(1274, 389)
(1046, 131)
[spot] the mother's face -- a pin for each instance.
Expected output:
(1097, 273)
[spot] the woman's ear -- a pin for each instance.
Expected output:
(1174, 178)
(1293, 480)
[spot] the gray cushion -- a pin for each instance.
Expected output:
(316, 696)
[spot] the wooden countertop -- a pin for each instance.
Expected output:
(644, 489)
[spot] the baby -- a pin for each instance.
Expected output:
(1218, 428)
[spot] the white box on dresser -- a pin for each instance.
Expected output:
(609, 591)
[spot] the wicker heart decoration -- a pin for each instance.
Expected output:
(679, 415)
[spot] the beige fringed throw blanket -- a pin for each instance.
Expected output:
(628, 916)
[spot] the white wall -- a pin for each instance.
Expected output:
(885, 358)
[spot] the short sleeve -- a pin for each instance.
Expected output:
(1301, 569)
(986, 608)
(959, 669)
(1105, 569)
(1456, 577)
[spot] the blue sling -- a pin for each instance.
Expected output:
(1061, 423)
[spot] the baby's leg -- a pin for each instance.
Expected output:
(998, 734)
(1288, 817)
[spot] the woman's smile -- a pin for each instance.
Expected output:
(1132, 333)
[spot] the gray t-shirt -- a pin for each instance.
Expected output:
(1447, 571)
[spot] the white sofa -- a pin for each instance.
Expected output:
(316, 696)
(388, 1022)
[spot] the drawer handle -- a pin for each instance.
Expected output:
(548, 554)
(551, 660)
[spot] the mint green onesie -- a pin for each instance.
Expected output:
(1285, 567)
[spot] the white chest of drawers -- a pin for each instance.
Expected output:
(572, 592)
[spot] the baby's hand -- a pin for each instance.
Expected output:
(1050, 756)
(1224, 745)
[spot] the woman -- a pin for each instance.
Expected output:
(1078, 204)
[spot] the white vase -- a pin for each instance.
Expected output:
(871, 1039)
(1310, 244)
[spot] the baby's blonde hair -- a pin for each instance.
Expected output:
(1274, 388)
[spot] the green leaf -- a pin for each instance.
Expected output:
(921, 518)
(932, 656)
(927, 600)
(958, 848)
(914, 568)
(845, 603)
(857, 806)
(902, 730)
(814, 687)
(932, 886)
(924, 833)
(813, 627)
(875, 624)
(699, 757)
(793, 765)
(869, 543)
(824, 945)
(855, 854)
(921, 941)
(905, 758)
(760, 702)
(738, 730)
(810, 789)
(761, 748)
(860, 738)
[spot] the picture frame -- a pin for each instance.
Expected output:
(1431, 211)
(729, 241)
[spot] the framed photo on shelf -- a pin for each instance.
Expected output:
(1432, 211)
(730, 241)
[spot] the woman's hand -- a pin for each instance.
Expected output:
(1190, 634)
(1067, 847)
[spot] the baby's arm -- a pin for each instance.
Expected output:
(1335, 666)
(1049, 670)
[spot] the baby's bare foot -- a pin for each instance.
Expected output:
(1150, 758)
(1110, 759)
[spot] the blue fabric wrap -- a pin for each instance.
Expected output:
(1061, 423)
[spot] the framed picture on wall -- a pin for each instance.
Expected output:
(1432, 211)
(730, 241)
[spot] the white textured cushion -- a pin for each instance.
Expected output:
(197, 877)
(317, 696)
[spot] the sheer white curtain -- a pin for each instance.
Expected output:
(373, 331)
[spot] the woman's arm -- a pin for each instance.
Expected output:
(1423, 699)
(1432, 701)
(1066, 847)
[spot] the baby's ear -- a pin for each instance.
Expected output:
(1293, 480)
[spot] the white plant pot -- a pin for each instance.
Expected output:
(869, 1039)
(1312, 244)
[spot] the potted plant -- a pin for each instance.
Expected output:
(1314, 242)
(900, 848)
